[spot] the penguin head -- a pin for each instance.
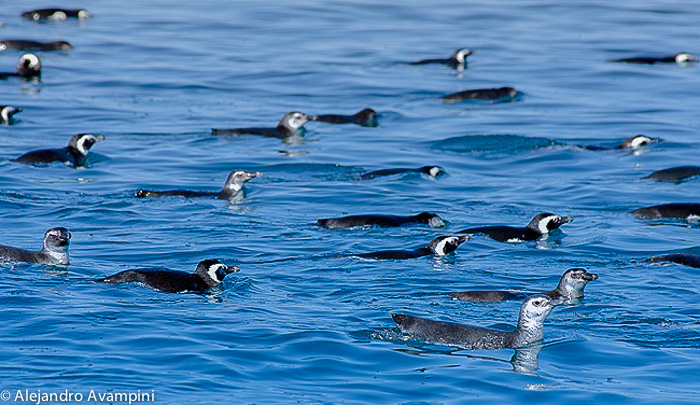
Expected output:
(83, 142)
(6, 113)
(83, 14)
(366, 117)
(56, 239)
(237, 178)
(432, 171)
(573, 281)
(62, 45)
(546, 222)
(509, 91)
(636, 142)
(213, 272)
(293, 120)
(431, 219)
(443, 245)
(29, 65)
(684, 57)
(460, 55)
(535, 309)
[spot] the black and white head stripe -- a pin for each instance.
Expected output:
(547, 222)
(443, 245)
(636, 142)
(29, 61)
(684, 57)
(461, 54)
(7, 112)
(83, 142)
(214, 270)
(56, 238)
(237, 178)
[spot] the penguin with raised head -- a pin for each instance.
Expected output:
(73, 155)
(571, 286)
(290, 124)
(530, 328)
(54, 250)
(28, 66)
(233, 188)
(439, 246)
(6, 113)
(458, 60)
(539, 226)
(207, 275)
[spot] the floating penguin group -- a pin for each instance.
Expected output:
(209, 273)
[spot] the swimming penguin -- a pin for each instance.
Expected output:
(687, 211)
(365, 118)
(55, 14)
(680, 258)
(432, 171)
(28, 66)
(634, 142)
(499, 94)
(26, 45)
(53, 252)
(674, 174)
(382, 221)
(540, 225)
(233, 188)
(679, 58)
(571, 286)
(289, 124)
(458, 60)
(74, 154)
(209, 274)
(6, 113)
(439, 246)
(530, 329)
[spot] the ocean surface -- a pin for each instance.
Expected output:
(303, 321)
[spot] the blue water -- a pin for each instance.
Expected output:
(301, 323)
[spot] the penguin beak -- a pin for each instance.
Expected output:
(590, 276)
(231, 269)
(566, 220)
(99, 138)
(253, 175)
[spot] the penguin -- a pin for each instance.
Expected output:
(73, 155)
(432, 171)
(27, 45)
(680, 258)
(6, 113)
(680, 58)
(687, 211)
(439, 246)
(54, 251)
(55, 14)
(674, 174)
(209, 274)
(458, 60)
(28, 66)
(233, 188)
(382, 221)
(530, 329)
(365, 118)
(290, 123)
(634, 142)
(499, 94)
(540, 225)
(571, 286)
